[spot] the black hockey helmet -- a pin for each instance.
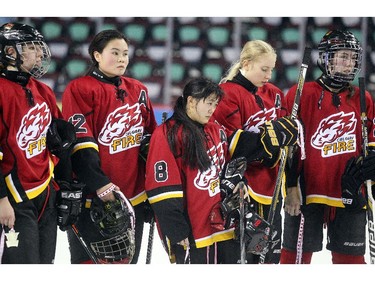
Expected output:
(333, 41)
(19, 36)
(115, 221)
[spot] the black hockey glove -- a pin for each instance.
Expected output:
(230, 210)
(258, 233)
(233, 174)
(351, 182)
(60, 136)
(277, 134)
(368, 166)
(145, 145)
(226, 214)
(69, 202)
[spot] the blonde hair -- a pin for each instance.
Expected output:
(252, 50)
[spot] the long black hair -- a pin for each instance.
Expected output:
(193, 136)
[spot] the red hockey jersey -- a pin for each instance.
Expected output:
(173, 188)
(23, 130)
(239, 110)
(113, 128)
(332, 136)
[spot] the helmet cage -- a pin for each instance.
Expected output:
(118, 249)
(38, 69)
(23, 37)
(328, 47)
(115, 221)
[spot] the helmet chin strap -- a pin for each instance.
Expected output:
(331, 84)
(19, 77)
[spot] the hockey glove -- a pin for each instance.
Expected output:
(60, 136)
(351, 182)
(234, 171)
(226, 214)
(69, 202)
(277, 134)
(230, 210)
(145, 145)
(368, 166)
(258, 233)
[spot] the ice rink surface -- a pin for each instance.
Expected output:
(159, 256)
(160, 268)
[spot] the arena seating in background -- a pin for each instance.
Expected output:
(200, 46)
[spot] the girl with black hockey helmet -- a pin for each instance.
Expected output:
(340, 58)
(27, 108)
(320, 185)
(19, 38)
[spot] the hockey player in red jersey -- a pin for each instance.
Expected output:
(111, 113)
(28, 108)
(249, 101)
(330, 112)
(184, 166)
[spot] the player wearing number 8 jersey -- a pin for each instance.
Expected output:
(186, 158)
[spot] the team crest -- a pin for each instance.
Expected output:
(336, 134)
(31, 135)
(258, 119)
(209, 179)
(123, 129)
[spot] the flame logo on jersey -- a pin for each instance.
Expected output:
(336, 134)
(258, 119)
(122, 129)
(210, 179)
(31, 136)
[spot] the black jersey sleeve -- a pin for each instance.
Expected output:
(3, 186)
(86, 166)
(246, 144)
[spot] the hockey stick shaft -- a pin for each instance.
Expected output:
(284, 152)
(84, 245)
(242, 222)
(150, 243)
(287, 151)
(370, 198)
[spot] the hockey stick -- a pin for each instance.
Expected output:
(284, 152)
(300, 240)
(84, 245)
(241, 186)
(370, 198)
(152, 221)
